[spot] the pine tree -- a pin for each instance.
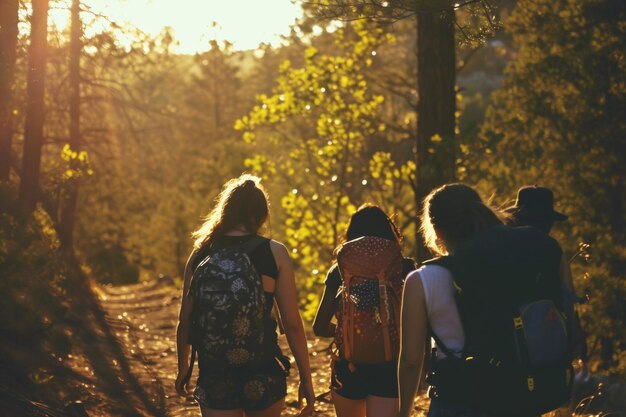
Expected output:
(33, 129)
(8, 50)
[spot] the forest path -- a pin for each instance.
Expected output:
(147, 314)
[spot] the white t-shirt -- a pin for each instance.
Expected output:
(443, 314)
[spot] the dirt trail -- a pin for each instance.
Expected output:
(146, 315)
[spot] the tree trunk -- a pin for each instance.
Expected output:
(33, 127)
(8, 52)
(436, 73)
(68, 211)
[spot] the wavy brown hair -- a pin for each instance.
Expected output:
(242, 202)
(454, 213)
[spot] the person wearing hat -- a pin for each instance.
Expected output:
(534, 206)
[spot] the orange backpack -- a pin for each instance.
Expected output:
(369, 315)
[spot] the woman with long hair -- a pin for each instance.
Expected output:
(468, 302)
(228, 262)
(360, 389)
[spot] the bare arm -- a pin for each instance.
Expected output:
(322, 325)
(182, 329)
(413, 324)
(287, 300)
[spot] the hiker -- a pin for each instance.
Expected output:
(534, 206)
(231, 279)
(492, 304)
(363, 290)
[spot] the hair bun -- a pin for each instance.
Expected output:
(249, 184)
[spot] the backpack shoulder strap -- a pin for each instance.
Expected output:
(440, 343)
(199, 256)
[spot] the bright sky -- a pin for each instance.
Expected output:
(245, 23)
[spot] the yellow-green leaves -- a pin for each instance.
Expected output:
(313, 131)
(76, 164)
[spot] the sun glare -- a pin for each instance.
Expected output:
(245, 23)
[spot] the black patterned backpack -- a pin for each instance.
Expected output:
(227, 319)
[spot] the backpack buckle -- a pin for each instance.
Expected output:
(519, 323)
(494, 362)
(531, 383)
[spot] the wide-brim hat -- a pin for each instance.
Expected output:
(536, 202)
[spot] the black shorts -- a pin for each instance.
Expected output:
(247, 389)
(379, 379)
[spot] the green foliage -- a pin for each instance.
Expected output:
(476, 20)
(558, 120)
(34, 281)
(320, 126)
(155, 151)
(78, 165)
